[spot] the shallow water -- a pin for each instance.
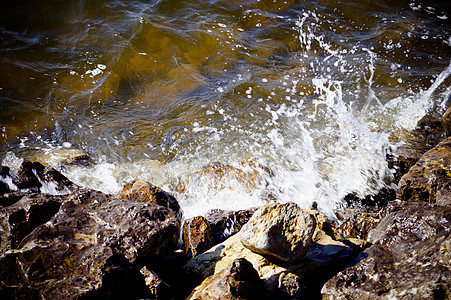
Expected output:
(310, 91)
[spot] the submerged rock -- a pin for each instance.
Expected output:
(142, 191)
(430, 178)
(34, 176)
(281, 231)
(89, 244)
(238, 280)
(197, 236)
(409, 258)
(63, 157)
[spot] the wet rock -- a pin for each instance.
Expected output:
(409, 258)
(91, 247)
(280, 231)
(226, 223)
(157, 287)
(142, 191)
(248, 176)
(430, 178)
(239, 280)
(4, 175)
(323, 260)
(375, 201)
(21, 218)
(446, 120)
(356, 224)
(11, 198)
(65, 157)
(412, 145)
(34, 176)
(197, 236)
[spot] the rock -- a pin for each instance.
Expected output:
(34, 176)
(93, 247)
(239, 280)
(290, 286)
(375, 201)
(313, 271)
(4, 176)
(226, 223)
(65, 157)
(323, 224)
(220, 256)
(21, 218)
(142, 191)
(430, 178)
(446, 120)
(412, 145)
(409, 258)
(279, 231)
(357, 225)
(248, 176)
(157, 287)
(197, 236)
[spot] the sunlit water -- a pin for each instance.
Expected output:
(297, 100)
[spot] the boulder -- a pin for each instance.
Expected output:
(197, 236)
(4, 176)
(357, 224)
(409, 258)
(279, 231)
(226, 223)
(446, 120)
(89, 244)
(33, 176)
(238, 280)
(412, 145)
(430, 178)
(142, 191)
(157, 287)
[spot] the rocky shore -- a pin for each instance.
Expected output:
(79, 243)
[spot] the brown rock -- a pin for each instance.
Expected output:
(197, 236)
(447, 122)
(142, 191)
(281, 231)
(226, 223)
(239, 280)
(430, 178)
(356, 225)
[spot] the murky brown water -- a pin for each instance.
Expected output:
(311, 89)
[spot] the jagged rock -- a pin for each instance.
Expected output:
(323, 260)
(197, 236)
(290, 286)
(323, 224)
(142, 191)
(430, 178)
(32, 175)
(280, 231)
(157, 287)
(409, 258)
(91, 247)
(375, 201)
(356, 225)
(239, 280)
(21, 218)
(412, 145)
(446, 120)
(4, 174)
(226, 223)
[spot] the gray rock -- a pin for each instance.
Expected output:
(409, 258)
(226, 223)
(279, 231)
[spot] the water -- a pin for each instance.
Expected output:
(296, 100)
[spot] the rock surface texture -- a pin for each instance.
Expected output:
(430, 178)
(84, 244)
(197, 236)
(409, 258)
(239, 280)
(280, 231)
